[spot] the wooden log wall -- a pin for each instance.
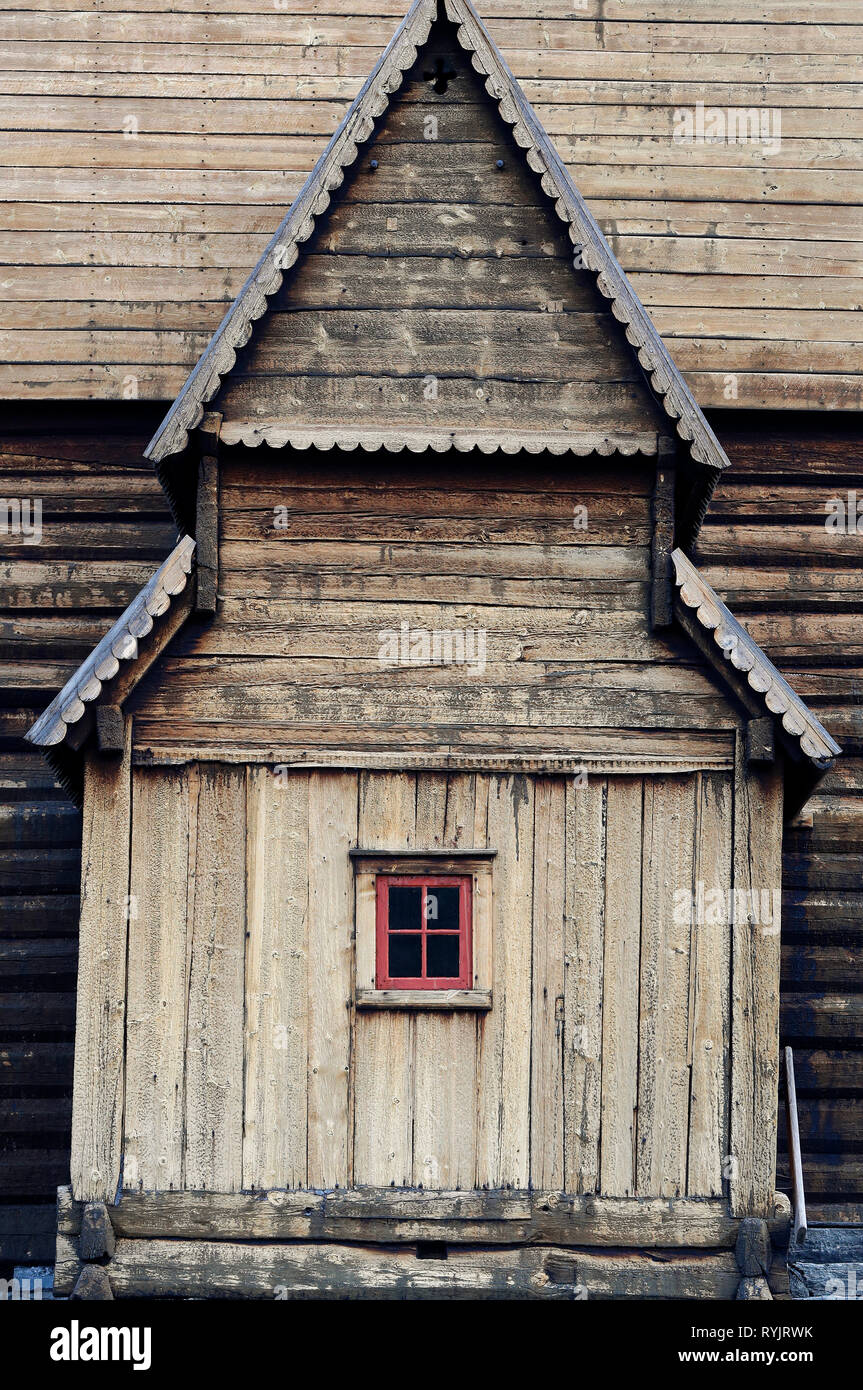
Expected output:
(403, 316)
(152, 149)
(797, 587)
(105, 527)
(318, 563)
(603, 1066)
(766, 556)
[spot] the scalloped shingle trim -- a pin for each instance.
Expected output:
(120, 644)
(283, 250)
(254, 434)
(594, 251)
(747, 657)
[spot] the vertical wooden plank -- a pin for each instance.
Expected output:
(214, 1052)
(583, 937)
(620, 984)
(547, 1021)
(97, 1110)
(664, 1058)
(383, 1073)
(755, 987)
(158, 983)
(503, 1065)
(276, 1033)
(332, 834)
(444, 1072)
(711, 981)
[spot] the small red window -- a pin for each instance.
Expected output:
(424, 932)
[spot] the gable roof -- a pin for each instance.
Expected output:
(120, 644)
(590, 245)
(745, 655)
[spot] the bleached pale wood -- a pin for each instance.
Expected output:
(503, 1057)
(711, 990)
(548, 1017)
(214, 1048)
(426, 1000)
(620, 982)
(757, 868)
(585, 852)
(332, 834)
(158, 980)
(397, 1215)
(384, 1041)
(444, 1065)
(99, 1079)
(277, 979)
(664, 1035)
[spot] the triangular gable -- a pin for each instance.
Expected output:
(592, 251)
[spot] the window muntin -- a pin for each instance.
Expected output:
(424, 927)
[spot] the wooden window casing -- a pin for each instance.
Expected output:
(426, 935)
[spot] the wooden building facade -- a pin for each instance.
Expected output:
(595, 736)
(593, 1060)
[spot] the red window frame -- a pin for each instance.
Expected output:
(464, 883)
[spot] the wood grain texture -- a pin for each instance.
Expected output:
(158, 980)
(755, 988)
(585, 858)
(214, 1046)
(710, 954)
(97, 1115)
(277, 980)
(256, 115)
(332, 833)
(620, 985)
(503, 1056)
(384, 1063)
(664, 1000)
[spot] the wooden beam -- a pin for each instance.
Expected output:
(662, 587)
(372, 1215)
(219, 1269)
(760, 740)
(207, 518)
(97, 1233)
(109, 729)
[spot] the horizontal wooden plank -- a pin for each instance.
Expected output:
(403, 1216)
(320, 1270)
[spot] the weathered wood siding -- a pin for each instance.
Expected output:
(318, 563)
(105, 527)
(604, 1065)
(797, 587)
(402, 313)
(153, 151)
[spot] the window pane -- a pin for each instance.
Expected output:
(405, 909)
(406, 956)
(442, 908)
(442, 956)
